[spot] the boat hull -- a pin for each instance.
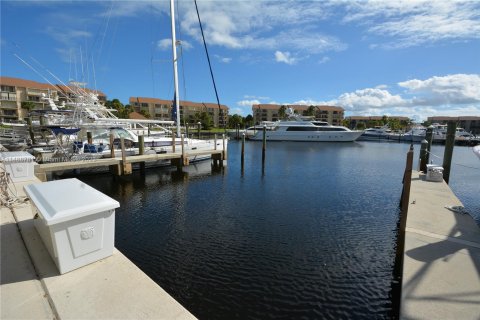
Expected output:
(313, 136)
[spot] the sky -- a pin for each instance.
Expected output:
(395, 58)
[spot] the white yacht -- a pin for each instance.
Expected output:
(298, 128)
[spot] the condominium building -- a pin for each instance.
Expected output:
(469, 123)
(270, 112)
(15, 91)
(159, 109)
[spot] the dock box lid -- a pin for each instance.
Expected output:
(16, 157)
(64, 200)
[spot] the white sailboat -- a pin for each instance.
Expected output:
(90, 115)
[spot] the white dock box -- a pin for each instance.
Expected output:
(75, 221)
(19, 164)
(434, 173)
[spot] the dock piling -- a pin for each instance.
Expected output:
(429, 138)
(264, 145)
(141, 151)
(423, 156)
(30, 130)
(447, 156)
(243, 152)
(89, 137)
(126, 167)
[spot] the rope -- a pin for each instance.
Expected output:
(8, 196)
(458, 164)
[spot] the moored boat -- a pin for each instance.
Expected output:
(298, 128)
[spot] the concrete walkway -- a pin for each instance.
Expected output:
(32, 288)
(441, 270)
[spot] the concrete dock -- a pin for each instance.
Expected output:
(441, 268)
(32, 288)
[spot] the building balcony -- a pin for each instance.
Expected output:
(8, 96)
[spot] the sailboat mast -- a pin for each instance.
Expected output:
(175, 72)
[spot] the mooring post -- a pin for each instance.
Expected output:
(404, 202)
(141, 151)
(429, 138)
(243, 151)
(448, 153)
(264, 145)
(126, 167)
(199, 124)
(30, 130)
(215, 141)
(423, 156)
(112, 149)
(184, 161)
(224, 151)
(173, 142)
(89, 137)
(407, 179)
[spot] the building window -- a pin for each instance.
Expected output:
(7, 89)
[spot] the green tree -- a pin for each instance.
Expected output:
(235, 120)
(28, 105)
(360, 126)
(384, 120)
(145, 114)
(248, 121)
(206, 120)
(282, 112)
(311, 111)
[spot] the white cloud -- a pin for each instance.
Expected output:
(451, 95)
(285, 57)
(245, 103)
(451, 89)
(413, 23)
(369, 98)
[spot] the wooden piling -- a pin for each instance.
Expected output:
(141, 151)
(264, 145)
(30, 130)
(404, 202)
(407, 178)
(43, 121)
(126, 167)
(173, 142)
(243, 152)
(423, 156)
(448, 153)
(224, 152)
(429, 138)
(215, 141)
(112, 147)
(89, 137)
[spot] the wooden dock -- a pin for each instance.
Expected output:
(122, 165)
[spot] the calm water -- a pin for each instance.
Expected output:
(312, 236)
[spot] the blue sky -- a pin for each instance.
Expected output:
(409, 58)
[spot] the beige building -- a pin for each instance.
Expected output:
(469, 123)
(159, 109)
(269, 112)
(14, 91)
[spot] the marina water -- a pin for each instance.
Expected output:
(311, 235)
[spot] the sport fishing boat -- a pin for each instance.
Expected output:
(300, 128)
